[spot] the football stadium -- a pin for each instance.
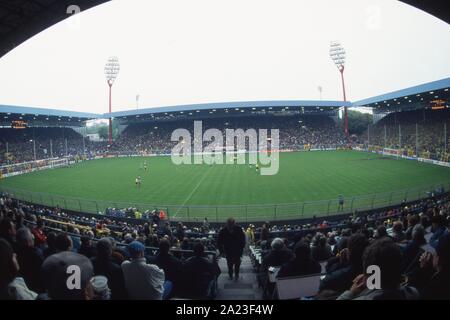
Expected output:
(277, 199)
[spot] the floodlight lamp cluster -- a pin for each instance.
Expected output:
(112, 69)
(337, 54)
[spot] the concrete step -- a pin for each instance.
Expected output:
(245, 288)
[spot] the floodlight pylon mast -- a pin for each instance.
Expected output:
(337, 54)
(112, 69)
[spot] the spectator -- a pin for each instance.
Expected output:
(63, 242)
(104, 266)
(320, 250)
(397, 232)
(381, 232)
(8, 231)
(413, 248)
(143, 281)
(40, 239)
(350, 265)
(436, 270)
(57, 272)
(412, 219)
(265, 232)
(51, 245)
(385, 254)
(231, 243)
(438, 229)
(86, 248)
(200, 274)
(29, 258)
(167, 262)
(180, 234)
(278, 255)
(302, 264)
(12, 287)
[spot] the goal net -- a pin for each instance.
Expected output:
(30, 166)
(391, 152)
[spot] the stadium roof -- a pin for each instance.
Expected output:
(425, 95)
(229, 108)
(22, 19)
(42, 116)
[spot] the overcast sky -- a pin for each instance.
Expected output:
(180, 52)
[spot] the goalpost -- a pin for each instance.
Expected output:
(30, 166)
(392, 152)
(57, 163)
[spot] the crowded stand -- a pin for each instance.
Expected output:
(153, 259)
(296, 133)
(424, 130)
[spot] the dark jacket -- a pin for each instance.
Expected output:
(438, 287)
(276, 258)
(88, 251)
(296, 268)
(410, 253)
(30, 260)
(198, 273)
(172, 266)
(231, 243)
(339, 280)
(112, 271)
(320, 253)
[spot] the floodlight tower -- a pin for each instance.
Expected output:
(112, 69)
(337, 54)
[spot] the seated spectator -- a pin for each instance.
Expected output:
(167, 262)
(29, 258)
(143, 281)
(12, 287)
(50, 249)
(302, 264)
(381, 232)
(104, 266)
(63, 242)
(397, 232)
(118, 255)
(321, 250)
(278, 254)
(438, 229)
(199, 274)
(385, 254)
(413, 249)
(40, 239)
(350, 265)
(433, 277)
(8, 231)
(86, 248)
(412, 219)
(56, 275)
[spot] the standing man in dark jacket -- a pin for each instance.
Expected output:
(231, 243)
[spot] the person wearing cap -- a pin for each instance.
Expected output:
(62, 272)
(143, 281)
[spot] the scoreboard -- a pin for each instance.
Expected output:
(19, 124)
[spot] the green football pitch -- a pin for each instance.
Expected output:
(307, 183)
